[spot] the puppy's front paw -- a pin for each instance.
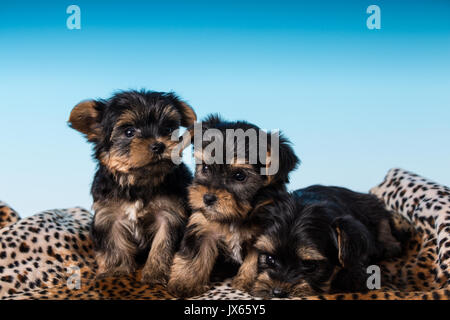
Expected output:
(102, 275)
(154, 276)
(181, 289)
(242, 284)
(113, 273)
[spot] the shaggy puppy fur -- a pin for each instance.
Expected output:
(322, 239)
(225, 199)
(140, 194)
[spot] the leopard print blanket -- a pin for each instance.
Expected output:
(49, 255)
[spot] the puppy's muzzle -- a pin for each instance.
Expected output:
(280, 293)
(209, 199)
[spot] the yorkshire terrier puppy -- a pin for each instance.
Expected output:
(321, 240)
(140, 194)
(225, 198)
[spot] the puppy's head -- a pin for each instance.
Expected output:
(132, 130)
(304, 251)
(231, 167)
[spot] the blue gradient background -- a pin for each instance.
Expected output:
(355, 102)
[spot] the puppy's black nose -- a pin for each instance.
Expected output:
(158, 147)
(209, 199)
(279, 293)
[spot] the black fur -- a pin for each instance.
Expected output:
(288, 160)
(312, 218)
(255, 189)
(226, 227)
(124, 129)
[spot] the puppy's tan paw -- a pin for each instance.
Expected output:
(121, 271)
(154, 276)
(181, 289)
(242, 284)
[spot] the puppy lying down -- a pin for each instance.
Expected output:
(321, 240)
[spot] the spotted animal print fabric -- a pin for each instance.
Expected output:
(49, 255)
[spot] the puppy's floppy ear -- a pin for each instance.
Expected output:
(188, 116)
(85, 118)
(287, 160)
(352, 240)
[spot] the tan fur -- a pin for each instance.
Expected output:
(270, 178)
(340, 244)
(247, 273)
(156, 269)
(106, 270)
(188, 115)
(241, 164)
(170, 112)
(302, 289)
(115, 163)
(119, 258)
(83, 119)
(121, 166)
(169, 208)
(191, 277)
(128, 117)
(185, 277)
(215, 226)
(264, 244)
(123, 221)
(196, 193)
(140, 155)
(225, 206)
(310, 253)
(264, 285)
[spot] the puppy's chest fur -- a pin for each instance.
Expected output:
(137, 219)
(234, 239)
(139, 210)
(134, 211)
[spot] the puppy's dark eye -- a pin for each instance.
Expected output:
(130, 132)
(239, 176)
(205, 169)
(266, 261)
(309, 266)
(270, 261)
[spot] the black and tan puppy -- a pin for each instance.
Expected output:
(321, 240)
(225, 198)
(140, 194)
